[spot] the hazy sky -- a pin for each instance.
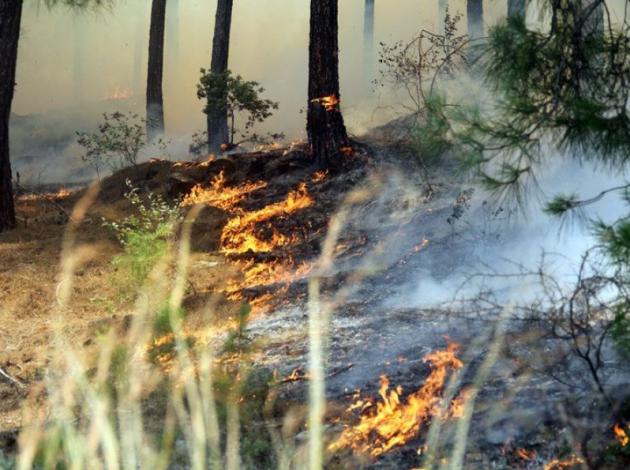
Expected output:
(68, 59)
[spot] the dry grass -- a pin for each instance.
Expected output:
(29, 276)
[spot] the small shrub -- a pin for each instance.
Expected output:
(145, 237)
(242, 97)
(116, 144)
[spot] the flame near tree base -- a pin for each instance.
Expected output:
(395, 422)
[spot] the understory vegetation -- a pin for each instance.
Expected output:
(161, 391)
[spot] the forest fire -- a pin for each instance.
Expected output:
(319, 176)
(329, 103)
(621, 435)
(219, 194)
(119, 93)
(394, 422)
(525, 454)
(239, 235)
(557, 464)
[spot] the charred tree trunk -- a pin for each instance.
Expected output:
(326, 130)
(368, 39)
(155, 71)
(474, 12)
(516, 7)
(10, 18)
(218, 115)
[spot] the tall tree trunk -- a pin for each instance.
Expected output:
(326, 130)
(368, 40)
(155, 71)
(218, 115)
(474, 12)
(516, 7)
(10, 18)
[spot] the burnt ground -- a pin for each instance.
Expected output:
(399, 230)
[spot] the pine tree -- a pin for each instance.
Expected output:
(155, 71)
(10, 18)
(325, 126)
(217, 113)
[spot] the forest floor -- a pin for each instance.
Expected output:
(257, 241)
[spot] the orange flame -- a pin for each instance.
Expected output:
(557, 464)
(319, 176)
(119, 93)
(239, 234)
(395, 422)
(329, 103)
(219, 194)
(526, 454)
(622, 436)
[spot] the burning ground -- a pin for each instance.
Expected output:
(406, 386)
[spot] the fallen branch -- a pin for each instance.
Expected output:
(12, 380)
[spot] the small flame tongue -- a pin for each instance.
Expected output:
(396, 421)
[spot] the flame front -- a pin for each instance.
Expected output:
(239, 234)
(220, 195)
(396, 421)
(570, 462)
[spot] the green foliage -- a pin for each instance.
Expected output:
(238, 97)
(620, 329)
(430, 137)
(145, 237)
(116, 144)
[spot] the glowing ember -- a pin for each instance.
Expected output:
(622, 436)
(526, 454)
(347, 151)
(319, 176)
(395, 422)
(556, 464)
(329, 103)
(119, 93)
(296, 375)
(420, 246)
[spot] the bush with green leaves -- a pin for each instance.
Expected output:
(242, 98)
(145, 236)
(116, 144)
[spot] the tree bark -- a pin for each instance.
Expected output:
(218, 115)
(474, 12)
(10, 18)
(368, 40)
(155, 71)
(325, 127)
